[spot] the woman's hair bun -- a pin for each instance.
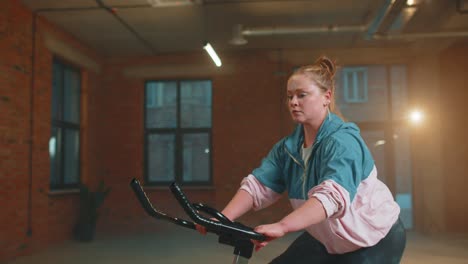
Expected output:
(327, 64)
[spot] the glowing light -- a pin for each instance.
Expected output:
(416, 117)
(52, 146)
(212, 54)
(410, 2)
(379, 143)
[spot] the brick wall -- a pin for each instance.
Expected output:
(31, 216)
(15, 72)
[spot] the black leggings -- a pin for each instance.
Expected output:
(307, 250)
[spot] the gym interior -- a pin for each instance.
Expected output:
(95, 93)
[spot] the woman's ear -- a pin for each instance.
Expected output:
(328, 96)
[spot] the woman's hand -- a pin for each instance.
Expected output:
(271, 231)
(201, 229)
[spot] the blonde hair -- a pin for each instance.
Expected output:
(322, 73)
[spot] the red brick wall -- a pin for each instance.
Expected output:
(49, 217)
(15, 71)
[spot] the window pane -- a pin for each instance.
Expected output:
(54, 155)
(375, 108)
(196, 157)
(195, 104)
(57, 83)
(71, 156)
(361, 87)
(71, 96)
(399, 92)
(161, 105)
(161, 157)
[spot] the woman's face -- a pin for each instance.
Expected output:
(306, 101)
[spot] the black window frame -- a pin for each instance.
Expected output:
(178, 132)
(62, 125)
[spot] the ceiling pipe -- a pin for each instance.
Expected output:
(239, 32)
(375, 30)
(447, 34)
(268, 31)
(113, 12)
(392, 14)
(374, 25)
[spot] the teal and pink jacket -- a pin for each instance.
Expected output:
(340, 173)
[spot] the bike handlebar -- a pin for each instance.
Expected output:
(146, 204)
(223, 227)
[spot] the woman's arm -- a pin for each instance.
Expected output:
(241, 203)
(311, 212)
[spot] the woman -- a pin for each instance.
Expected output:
(348, 215)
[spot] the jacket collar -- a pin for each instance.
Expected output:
(295, 141)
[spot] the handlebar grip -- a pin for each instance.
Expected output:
(241, 231)
(143, 199)
(146, 204)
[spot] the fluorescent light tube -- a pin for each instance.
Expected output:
(212, 54)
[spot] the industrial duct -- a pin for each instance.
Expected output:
(376, 29)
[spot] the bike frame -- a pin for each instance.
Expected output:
(229, 233)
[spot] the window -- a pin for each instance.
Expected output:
(178, 132)
(362, 93)
(64, 143)
(355, 84)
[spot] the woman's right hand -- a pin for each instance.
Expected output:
(201, 229)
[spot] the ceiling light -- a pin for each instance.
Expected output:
(212, 54)
(169, 3)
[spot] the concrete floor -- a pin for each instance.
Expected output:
(177, 245)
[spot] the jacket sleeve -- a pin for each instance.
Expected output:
(270, 172)
(262, 195)
(346, 161)
(334, 198)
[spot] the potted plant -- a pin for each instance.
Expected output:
(90, 201)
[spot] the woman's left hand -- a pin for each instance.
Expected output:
(271, 231)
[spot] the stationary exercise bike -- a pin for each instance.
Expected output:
(229, 233)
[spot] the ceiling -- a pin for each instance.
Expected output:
(136, 27)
